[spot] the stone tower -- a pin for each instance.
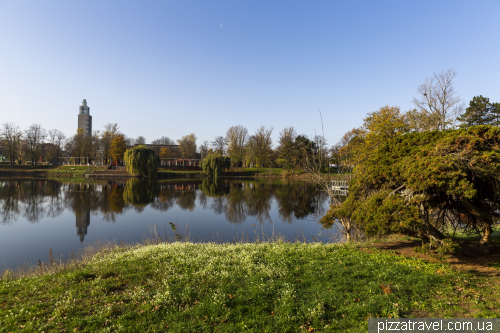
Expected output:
(85, 119)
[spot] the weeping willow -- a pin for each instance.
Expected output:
(214, 188)
(214, 165)
(140, 192)
(141, 160)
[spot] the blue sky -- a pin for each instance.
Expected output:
(177, 67)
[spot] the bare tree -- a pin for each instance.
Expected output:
(140, 140)
(288, 134)
(56, 139)
(11, 136)
(236, 137)
(438, 99)
(203, 149)
(164, 140)
(34, 137)
(263, 146)
(219, 145)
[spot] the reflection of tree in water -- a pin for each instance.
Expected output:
(82, 198)
(297, 200)
(186, 200)
(31, 198)
(111, 202)
(9, 199)
(235, 207)
(164, 201)
(214, 188)
(140, 192)
(258, 200)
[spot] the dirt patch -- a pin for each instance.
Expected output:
(486, 265)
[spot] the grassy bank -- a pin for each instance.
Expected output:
(46, 171)
(264, 287)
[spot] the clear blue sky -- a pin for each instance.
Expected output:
(178, 67)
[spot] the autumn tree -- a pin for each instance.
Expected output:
(107, 136)
(187, 146)
(480, 112)
(118, 148)
(438, 100)
(236, 137)
(165, 153)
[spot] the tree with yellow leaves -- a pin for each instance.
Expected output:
(118, 148)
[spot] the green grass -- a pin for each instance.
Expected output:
(255, 287)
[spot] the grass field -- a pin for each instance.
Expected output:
(253, 287)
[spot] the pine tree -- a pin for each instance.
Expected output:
(480, 112)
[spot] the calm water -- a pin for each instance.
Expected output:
(38, 215)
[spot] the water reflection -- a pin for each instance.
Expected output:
(235, 199)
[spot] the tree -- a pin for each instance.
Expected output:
(203, 149)
(420, 120)
(164, 140)
(141, 160)
(296, 153)
(219, 145)
(110, 131)
(118, 148)
(11, 136)
(480, 112)
(165, 153)
(34, 137)
(140, 140)
(187, 146)
(236, 137)
(55, 139)
(262, 145)
(288, 134)
(378, 127)
(437, 98)
(419, 183)
(215, 165)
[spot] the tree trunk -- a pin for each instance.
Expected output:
(487, 230)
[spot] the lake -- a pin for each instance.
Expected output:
(37, 214)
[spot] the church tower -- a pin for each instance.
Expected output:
(85, 119)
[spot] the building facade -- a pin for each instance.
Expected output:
(85, 119)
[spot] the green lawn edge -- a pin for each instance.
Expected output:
(251, 287)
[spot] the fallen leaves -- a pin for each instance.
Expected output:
(386, 288)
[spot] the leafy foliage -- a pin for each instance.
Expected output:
(118, 148)
(295, 152)
(214, 188)
(142, 161)
(417, 183)
(140, 192)
(214, 165)
(481, 112)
